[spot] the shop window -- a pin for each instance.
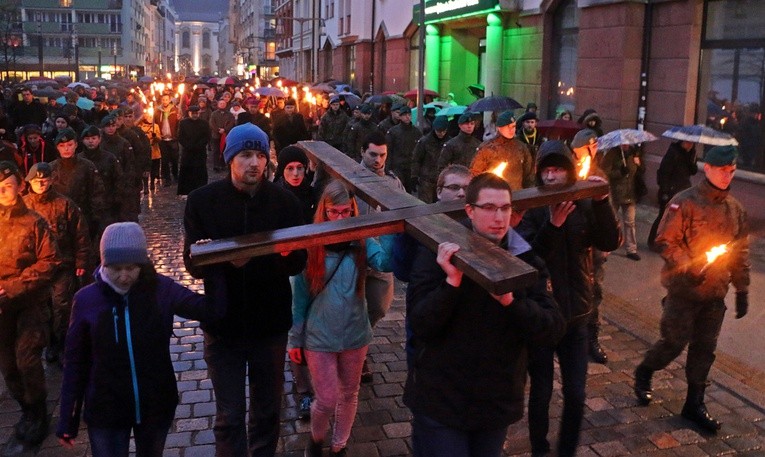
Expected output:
(564, 59)
(732, 76)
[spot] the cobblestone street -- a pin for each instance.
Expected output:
(614, 424)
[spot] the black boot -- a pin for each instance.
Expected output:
(695, 410)
(38, 426)
(21, 427)
(597, 354)
(314, 449)
(643, 390)
(145, 185)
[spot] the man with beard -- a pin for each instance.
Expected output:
(193, 136)
(528, 133)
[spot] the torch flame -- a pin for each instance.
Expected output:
(150, 110)
(181, 88)
(584, 166)
(716, 252)
(499, 169)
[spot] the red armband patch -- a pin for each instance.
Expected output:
(674, 207)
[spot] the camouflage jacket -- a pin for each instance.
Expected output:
(28, 257)
(78, 179)
(696, 220)
(459, 150)
(70, 230)
(519, 172)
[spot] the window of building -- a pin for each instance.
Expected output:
(350, 61)
(732, 76)
(206, 40)
(564, 59)
(185, 39)
(65, 3)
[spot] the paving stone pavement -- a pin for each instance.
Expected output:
(614, 424)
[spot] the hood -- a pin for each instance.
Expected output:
(555, 153)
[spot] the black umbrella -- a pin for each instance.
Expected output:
(47, 92)
(496, 103)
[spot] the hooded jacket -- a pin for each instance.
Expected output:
(567, 250)
(118, 352)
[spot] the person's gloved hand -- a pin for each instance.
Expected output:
(296, 355)
(742, 304)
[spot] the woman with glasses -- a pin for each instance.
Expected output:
(331, 329)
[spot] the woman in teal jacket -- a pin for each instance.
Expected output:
(330, 322)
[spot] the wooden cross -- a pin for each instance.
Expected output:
(492, 267)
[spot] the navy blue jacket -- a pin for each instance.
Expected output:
(117, 354)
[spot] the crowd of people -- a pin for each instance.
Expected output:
(77, 283)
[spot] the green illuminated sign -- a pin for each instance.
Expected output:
(442, 10)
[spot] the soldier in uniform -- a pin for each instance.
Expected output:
(130, 193)
(28, 260)
(110, 171)
(425, 160)
(461, 149)
(358, 131)
(505, 147)
(71, 234)
(392, 120)
(402, 139)
(141, 154)
(697, 220)
(333, 124)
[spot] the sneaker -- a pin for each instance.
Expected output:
(304, 407)
(633, 256)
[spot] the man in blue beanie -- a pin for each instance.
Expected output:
(251, 338)
(697, 220)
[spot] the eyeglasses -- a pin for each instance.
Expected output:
(454, 187)
(492, 208)
(331, 212)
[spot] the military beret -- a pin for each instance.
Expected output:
(720, 156)
(527, 116)
(396, 107)
(506, 118)
(8, 169)
(117, 112)
(90, 130)
(39, 170)
(405, 110)
(366, 109)
(440, 123)
(194, 108)
(356, 108)
(466, 117)
(107, 121)
(334, 99)
(65, 135)
(582, 138)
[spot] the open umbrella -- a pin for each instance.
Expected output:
(452, 111)
(96, 81)
(436, 105)
(700, 134)
(350, 98)
(47, 92)
(624, 136)
(322, 87)
(269, 92)
(146, 79)
(427, 92)
(478, 90)
(558, 129)
(212, 81)
(386, 98)
(74, 85)
(497, 103)
(63, 79)
(82, 102)
(227, 81)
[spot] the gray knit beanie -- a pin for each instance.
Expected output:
(123, 242)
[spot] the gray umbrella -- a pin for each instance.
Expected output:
(700, 134)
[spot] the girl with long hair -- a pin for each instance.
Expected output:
(331, 327)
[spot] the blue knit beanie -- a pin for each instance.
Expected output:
(245, 136)
(124, 242)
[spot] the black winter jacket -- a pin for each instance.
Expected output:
(469, 371)
(259, 295)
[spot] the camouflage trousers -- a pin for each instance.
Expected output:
(23, 335)
(693, 323)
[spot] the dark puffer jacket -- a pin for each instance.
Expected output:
(118, 352)
(567, 250)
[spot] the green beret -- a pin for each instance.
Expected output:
(366, 108)
(108, 120)
(440, 123)
(720, 156)
(65, 135)
(506, 118)
(404, 110)
(466, 117)
(8, 169)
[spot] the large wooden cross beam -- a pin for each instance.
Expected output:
(490, 266)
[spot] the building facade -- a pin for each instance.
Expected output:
(253, 35)
(197, 44)
(89, 38)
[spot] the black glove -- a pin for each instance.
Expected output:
(742, 304)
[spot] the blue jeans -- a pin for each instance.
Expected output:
(433, 439)
(572, 359)
(262, 364)
(150, 437)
